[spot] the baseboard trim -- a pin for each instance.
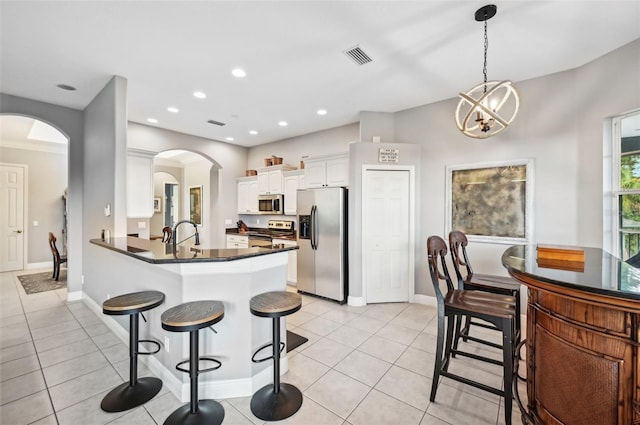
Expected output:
(41, 265)
(425, 300)
(356, 301)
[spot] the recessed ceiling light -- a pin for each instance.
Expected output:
(253, 132)
(66, 87)
(152, 120)
(321, 112)
(173, 109)
(239, 73)
(283, 124)
(199, 95)
(229, 139)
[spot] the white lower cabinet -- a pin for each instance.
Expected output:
(292, 268)
(237, 241)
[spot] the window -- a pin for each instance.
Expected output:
(626, 185)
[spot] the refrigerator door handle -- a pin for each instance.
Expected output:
(314, 244)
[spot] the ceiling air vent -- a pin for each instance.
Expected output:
(214, 122)
(358, 55)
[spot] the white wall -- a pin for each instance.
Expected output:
(198, 174)
(71, 123)
(47, 181)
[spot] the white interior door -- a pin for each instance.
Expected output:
(11, 218)
(387, 249)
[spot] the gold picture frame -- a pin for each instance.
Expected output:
(195, 204)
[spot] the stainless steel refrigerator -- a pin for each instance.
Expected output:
(322, 240)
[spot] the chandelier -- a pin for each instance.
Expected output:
(491, 106)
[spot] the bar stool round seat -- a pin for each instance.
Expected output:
(191, 317)
(138, 390)
(280, 400)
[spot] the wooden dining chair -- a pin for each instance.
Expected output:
(469, 280)
(167, 232)
(57, 258)
(496, 309)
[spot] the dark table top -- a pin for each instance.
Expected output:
(156, 252)
(603, 273)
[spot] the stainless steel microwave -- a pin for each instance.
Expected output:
(271, 204)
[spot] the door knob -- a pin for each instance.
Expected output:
(18, 231)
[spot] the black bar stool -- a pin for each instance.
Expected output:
(280, 400)
(191, 317)
(137, 391)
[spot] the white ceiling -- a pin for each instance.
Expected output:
(423, 51)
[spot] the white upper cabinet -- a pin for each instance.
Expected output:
(327, 170)
(247, 195)
(139, 183)
(293, 180)
(270, 179)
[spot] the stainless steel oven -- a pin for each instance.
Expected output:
(271, 204)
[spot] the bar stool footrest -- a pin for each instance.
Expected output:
(268, 405)
(200, 359)
(210, 412)
(264, 359)
(150, 341)
(126, 396)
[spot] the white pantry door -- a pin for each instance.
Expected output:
(386, 235)
(11, 218)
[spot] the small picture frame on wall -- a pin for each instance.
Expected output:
(195, 204)
(157, 204)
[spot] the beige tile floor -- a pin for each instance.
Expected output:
(362, 366)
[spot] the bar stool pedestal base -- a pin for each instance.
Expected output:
(126, 396)
(210, 412)
(268, 405)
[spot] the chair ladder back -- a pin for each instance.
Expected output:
(458, 242)
(437, 248)
(52, 245)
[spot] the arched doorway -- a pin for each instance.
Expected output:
(183, 173)
(35, 168)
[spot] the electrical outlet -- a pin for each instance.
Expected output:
(166, 344)
(257, 221)
(82, 279)
(227, 221)
(108, 296)
(142, 225)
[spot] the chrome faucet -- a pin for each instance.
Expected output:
(175, 234)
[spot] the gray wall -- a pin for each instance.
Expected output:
(230, 161)
(71, 123)
(105, 168)
(559, 126)
(292, 150)
(47, 181)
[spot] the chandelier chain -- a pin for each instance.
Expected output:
(486, 47)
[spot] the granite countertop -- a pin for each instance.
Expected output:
(602, 272)
(156, 252)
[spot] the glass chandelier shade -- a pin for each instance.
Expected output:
(491, 106)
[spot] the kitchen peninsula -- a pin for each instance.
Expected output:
(582, 336)
(232, 276)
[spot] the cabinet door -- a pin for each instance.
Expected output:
(252, 201)
(243, 197)
(290, 194)
(301, 182)
(263, 183)
(139, 186)
(337, 172)
(275, 182)
(315, 174)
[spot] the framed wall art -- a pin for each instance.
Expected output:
(195, 204)
(157, 204)
(491, 202)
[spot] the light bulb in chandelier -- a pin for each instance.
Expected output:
(491, 106)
